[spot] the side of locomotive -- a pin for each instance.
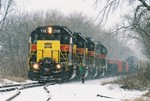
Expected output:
(90, 56)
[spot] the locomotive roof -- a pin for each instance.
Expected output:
(81, 35)
(89, 39)
(54, 26)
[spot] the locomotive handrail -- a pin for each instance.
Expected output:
(66, 58)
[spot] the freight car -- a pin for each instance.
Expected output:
(117, 67)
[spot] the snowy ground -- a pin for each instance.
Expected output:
(76, 91)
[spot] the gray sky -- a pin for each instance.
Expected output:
(68, 6)
(65, 6)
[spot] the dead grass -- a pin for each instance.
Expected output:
(1, 81)
(16, 79)
(138, 99)
(130, 82)
(107, 82)
(147, 94)
(13, 78)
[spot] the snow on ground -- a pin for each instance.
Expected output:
(76, 91)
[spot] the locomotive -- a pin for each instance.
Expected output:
(133, 63)
(57, 54)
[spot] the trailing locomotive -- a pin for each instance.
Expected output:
(56, 53)
(133, 64)
(101, 59)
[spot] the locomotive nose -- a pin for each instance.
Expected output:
(47, 66)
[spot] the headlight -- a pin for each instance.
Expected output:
(58, 66)
(36, 66)
(49, 30)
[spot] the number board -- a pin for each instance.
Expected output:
(47, 45)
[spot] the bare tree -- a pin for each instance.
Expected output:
(5, 9)
(137, 25)
(113, 5)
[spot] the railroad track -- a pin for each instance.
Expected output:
(47, 90)
(20, 87)
(6, 88)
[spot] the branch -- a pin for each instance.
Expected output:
(0, 4)
(10, 2)
(145, 4)
(143, 31)
(110, 7)
(122, 27)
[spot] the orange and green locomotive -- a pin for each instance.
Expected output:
(51, 53)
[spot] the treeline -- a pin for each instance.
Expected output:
(135, 24)
(17, 27)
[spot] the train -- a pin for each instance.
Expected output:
(58, 54)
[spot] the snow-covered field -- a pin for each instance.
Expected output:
(76, 91)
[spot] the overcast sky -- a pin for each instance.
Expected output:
(66, 7)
